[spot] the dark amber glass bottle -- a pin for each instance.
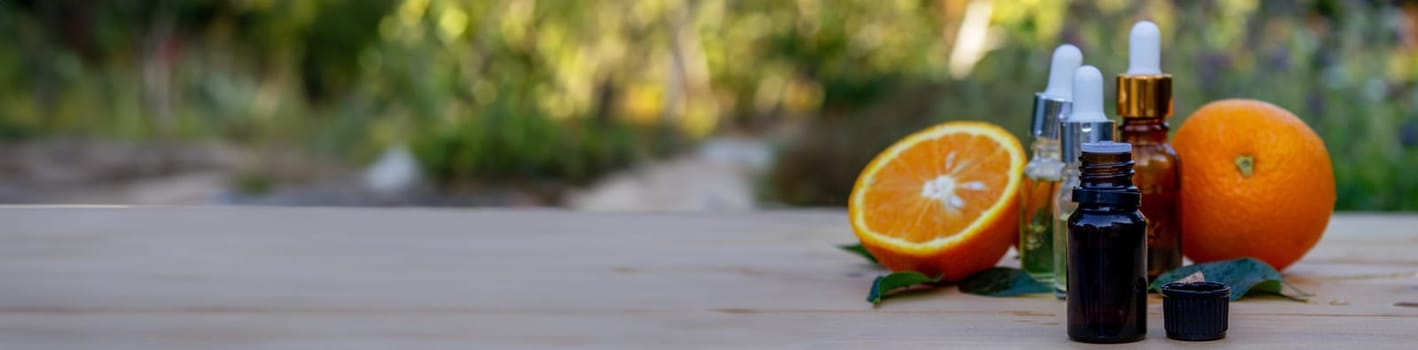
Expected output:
(1158, 179)
(1107, 250)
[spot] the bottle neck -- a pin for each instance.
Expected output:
(1045, 148)
(1105, 182)
(1102, 171)
(1144, 130)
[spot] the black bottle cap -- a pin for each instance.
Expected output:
(1195, 311)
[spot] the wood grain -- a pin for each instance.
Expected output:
(310, 278)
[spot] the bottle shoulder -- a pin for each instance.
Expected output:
(1162, 148)
(1157, 169)
(1159, 155)
(1105, 217)
(1044, 169)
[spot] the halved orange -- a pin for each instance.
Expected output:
(941, 201)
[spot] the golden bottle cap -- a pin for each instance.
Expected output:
(1145, 95)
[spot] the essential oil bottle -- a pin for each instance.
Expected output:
(1085, 123)
(1145, 103)
(1107, 250)
(1045, 169)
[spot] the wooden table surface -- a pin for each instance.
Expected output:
(288, 278)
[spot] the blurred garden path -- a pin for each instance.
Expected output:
(720, 175)
(88, 171)
(72, 171)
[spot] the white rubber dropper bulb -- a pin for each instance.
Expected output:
(1087, 96)
(1144, 49)
(1066, 60)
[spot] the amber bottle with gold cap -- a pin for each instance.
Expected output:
(1145, 103)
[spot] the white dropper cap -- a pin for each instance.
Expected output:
(1144, 49)
(1066, 60)
(1087, 96)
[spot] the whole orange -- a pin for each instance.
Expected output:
(1256, 181)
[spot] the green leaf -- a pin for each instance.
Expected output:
(896, 280)
(1003, 282)
(859, 250)
(1244, 275)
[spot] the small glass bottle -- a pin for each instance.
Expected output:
(1036, 221)
(1107, 250)
(1084, 123)
(1045, 168)
(1145, 103)
(1158, 180)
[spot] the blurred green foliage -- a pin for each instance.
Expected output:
(515, 91)
(1347, 68)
